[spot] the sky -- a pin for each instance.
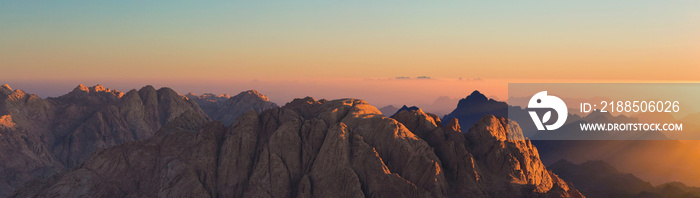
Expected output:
(333, 49)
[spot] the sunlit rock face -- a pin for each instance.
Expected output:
(315, 148)
(226, 109)
(485, 161)
(40, 137)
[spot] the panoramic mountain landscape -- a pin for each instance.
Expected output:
(152, 142)
(507, 99)
(226, 109)
(315, 148)
(95, 141)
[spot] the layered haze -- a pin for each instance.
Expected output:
(178, 41)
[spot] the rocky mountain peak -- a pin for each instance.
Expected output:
(416, 120)
(147, 88)
(474, 107)
(11, 94)
(484, 160)
(17, 95)
(168, 92)
(298, 102)
(97, 93)
(5, 89)
(476, 96)
(473, 99)
(6, 122)
(253, 93)
(81, 87)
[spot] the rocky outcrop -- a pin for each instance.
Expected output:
(310, 148)
(491, 160)
(23, 122)
(41, 137)
(226, 109)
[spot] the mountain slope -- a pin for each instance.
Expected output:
(600, 179)
(226, 109)
(484, 161)
(310, 148)
(470, 109)
(41, 137)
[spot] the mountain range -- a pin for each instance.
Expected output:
(95, 141)
(226, 109)
(100, 142)
(315, 148)
(42, 137)
(600, 179)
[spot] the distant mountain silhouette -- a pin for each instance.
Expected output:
(226, 109)
(442, 106)
(405, 108)
(470, 109)
(388, 110)
(600, 179)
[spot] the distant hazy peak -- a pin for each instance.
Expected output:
(597, 166)
(207, 96)
(97, 89)
(252, 93)
(476, 96)
(5, 89)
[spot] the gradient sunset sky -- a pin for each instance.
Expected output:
(333, 49)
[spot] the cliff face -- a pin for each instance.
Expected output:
(486, 160)
(309, 148)
(39, 137)
(226, 109)
(98, 120)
